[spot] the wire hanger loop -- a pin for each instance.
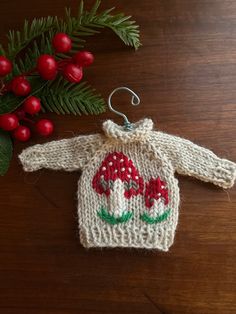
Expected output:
(135, 100)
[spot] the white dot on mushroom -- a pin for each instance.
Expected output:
(159, 194)
(162, 187)
(116, 171)
(128, 175)
(114, 157)
(122, 160)
(122, 169)
(129, 169)
(110, 163)
(103, 168)
(136, 177)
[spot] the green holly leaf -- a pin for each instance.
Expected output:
(8, 103)
(5, 151)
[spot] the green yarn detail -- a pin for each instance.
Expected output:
(111, 219)
(145, 217)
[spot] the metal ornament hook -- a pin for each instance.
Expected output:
(135, 100)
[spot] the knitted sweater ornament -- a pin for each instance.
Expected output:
(128, 195)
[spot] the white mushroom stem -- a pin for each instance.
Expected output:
(158, 208)
(117, 199)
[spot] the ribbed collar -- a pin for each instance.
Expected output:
(140, 130)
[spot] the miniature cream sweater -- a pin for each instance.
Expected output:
(128, 195)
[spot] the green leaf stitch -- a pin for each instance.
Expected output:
(148, 219)
(111, 184)
(127, 185)
(111, 219)
(135, 185)
(131, 184)
(106, 184)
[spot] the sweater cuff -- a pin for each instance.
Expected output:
(31, 159)
(225, 174)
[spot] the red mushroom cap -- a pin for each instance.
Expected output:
(155, 189)
(118, 166)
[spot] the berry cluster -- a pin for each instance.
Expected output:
(48, 68)
(71, 68)
(10, 121)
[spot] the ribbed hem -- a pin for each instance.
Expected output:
(148, 237)
(225, 174)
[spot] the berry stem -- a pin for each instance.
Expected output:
(2, 86)
(5, 88)
(62, 63)
(28, 120)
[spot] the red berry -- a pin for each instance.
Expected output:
(83, 58)
(22, 133)
(5, 66)
(73, 73)
(9, 121)
(20, 86)
(47, 67)
(44, 127)
(32, 105)
(61, 42)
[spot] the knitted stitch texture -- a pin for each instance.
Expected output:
(127, 193)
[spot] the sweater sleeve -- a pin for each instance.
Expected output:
(67, 154)
(193, 160)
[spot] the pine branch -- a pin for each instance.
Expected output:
(87, 23)
(35, 39)
(30, 57)
(20, 40)
(63, 97)
(125, 29)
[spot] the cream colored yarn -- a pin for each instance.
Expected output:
(127, 193)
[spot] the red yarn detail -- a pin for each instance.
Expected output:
(155, 189)
(118, 166)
